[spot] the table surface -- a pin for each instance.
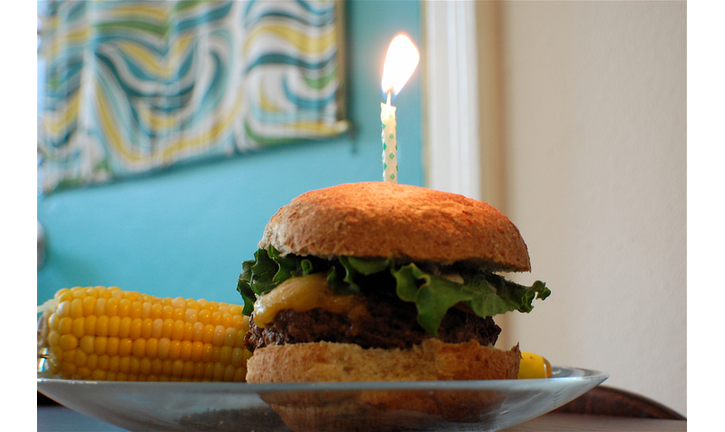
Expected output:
(61, 419)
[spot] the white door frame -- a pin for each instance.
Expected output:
(451, 107)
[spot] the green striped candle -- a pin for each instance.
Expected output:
(400, 63)
(390, 142)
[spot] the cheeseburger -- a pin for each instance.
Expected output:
(383, 282)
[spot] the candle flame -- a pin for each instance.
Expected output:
(400, 63)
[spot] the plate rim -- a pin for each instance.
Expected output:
(244, 387)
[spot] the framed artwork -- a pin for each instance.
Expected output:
(133, 86)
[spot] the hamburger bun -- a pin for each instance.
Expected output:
(432, 360)
(408, 223)
(382, 410)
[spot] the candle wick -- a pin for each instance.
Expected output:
(388, 102)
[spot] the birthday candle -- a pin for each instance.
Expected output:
(390, 142)
(400, 62)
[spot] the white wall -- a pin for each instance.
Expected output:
(595, 175)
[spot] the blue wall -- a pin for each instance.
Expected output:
(186, 230)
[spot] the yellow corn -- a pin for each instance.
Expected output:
(105, 333)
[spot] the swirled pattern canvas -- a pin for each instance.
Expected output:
(133, 86)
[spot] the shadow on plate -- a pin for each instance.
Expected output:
(384, 410)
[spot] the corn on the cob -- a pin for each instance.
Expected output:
(105, 333)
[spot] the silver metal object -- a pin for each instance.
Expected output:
(41, 245)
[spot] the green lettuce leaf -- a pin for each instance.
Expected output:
(432, 295)
(487, 294)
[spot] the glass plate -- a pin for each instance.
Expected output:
(365, 406)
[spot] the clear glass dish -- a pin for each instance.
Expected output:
(364, 406)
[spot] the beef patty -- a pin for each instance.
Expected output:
(389, 323)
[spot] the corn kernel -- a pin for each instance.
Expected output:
(83, 373)
(131, 295)
(112, 307)
(207, 355)
(60, 293)
(177, 332)
(208, 371)
(89, 305)
(87, 344)
(102, 325)
(100, 345)
(197, 351)
(90, 324)
(124, 365)
(114, 325)
(68, 342)
(157, 311)
(225, 355)
(112, 346)
(166, 368)
(54, 321)
(78, 327)
(125, 347)
(240, 374)
(135, 365)
(174, 350)
(164, 345)
(103, 362)
(204, 316)
(208, 335)
(135, 328)
(168, 312)
(147, 326)
(188, 371)
(146, 308)
(152, 348)
(124, 307)
(136, 310)
(197, 334)
(167, 328)
(66, 325)
(239, 359)
(80, 358)
(179, 303)
(228, 373)
(124, 329)
(185, 350)
(188, 331)
(139, 348)
(219, 335)
(92, 362)
(145, 369)
(218, 372)
(76, 308)
(198, 370)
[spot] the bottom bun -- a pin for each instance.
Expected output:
(432, 360)
(365, 410)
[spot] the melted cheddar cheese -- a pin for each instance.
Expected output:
(302, 294)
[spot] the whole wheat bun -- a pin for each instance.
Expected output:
(432, 360)
(382, 220)
(381, 410)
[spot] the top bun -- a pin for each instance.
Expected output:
(407, 223)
